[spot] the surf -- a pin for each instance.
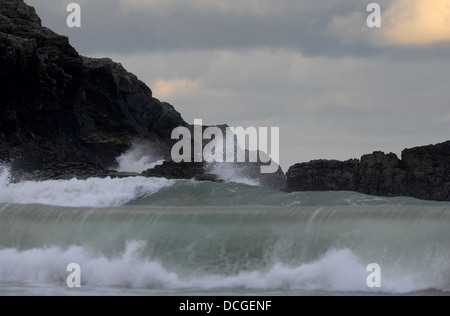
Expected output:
(273, 249)
(159, 236)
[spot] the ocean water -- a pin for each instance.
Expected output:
(140, 236)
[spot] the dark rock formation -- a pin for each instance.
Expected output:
(71, 170)
(63, 115)
(184, 170)
(208, 172)
(323, 175)
(428, 172)
(56, 106)
(423, 173)
(380, 174)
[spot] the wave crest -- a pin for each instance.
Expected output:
(92, 192)
(340, 270)
(138, 158)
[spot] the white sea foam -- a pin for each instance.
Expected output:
(229, 172)
(138, 158)
(92, 192)
(4, 175)
(338, 271)
(232, 173)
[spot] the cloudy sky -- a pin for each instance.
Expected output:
(336, 88)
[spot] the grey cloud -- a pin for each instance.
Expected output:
(313, 27)
(342, 107)
(305, 69)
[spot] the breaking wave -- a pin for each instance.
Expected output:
(138, 158)
(302, 249)
(92, 192)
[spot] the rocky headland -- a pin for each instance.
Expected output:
(422, 172)
(57, 106)
(63, 115)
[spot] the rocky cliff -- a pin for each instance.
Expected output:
(58, 106)
(423, 172)
(63, 115)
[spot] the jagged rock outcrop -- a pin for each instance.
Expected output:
(57, 106)
(323, 175)
(423, 172)
(63, 115)
(428, 172)
(183, 170)
(211, 172)
(71, 170)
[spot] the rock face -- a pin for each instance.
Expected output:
(423, 173)
(428, 173)
(210, 172)
(184, 170)
(78, 170)
(63, 115)
(57, 106)
(323, 175)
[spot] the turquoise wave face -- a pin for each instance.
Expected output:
(177, 236)
(190, 193)
(306, 248)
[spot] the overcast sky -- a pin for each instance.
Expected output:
(336, 88)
